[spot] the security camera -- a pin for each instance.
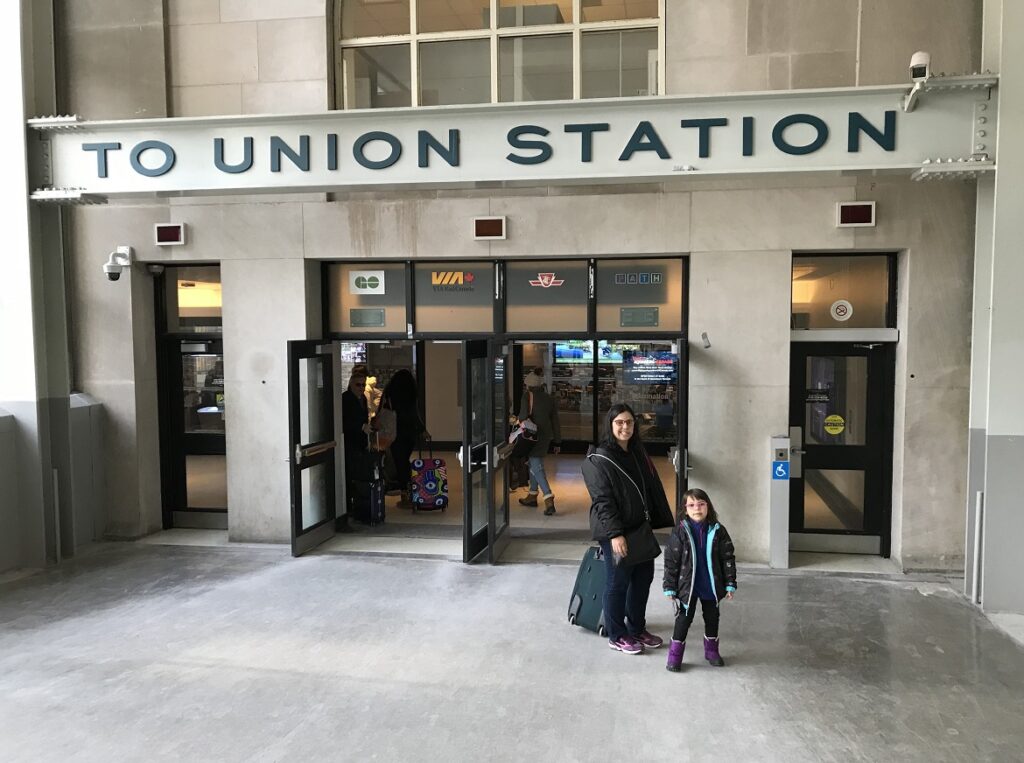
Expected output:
(920, 66)
(119, 260)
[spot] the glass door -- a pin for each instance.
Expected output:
(313, 428)
(498, 513)
(486, 509)
(841, 434)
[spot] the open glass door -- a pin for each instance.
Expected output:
(312, 426)
(485, 514)
(498, 513)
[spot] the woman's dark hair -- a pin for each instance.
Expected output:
(400, 390)
(635, 443)
(699, 495)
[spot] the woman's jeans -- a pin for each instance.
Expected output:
(538, 479)
(625, 595)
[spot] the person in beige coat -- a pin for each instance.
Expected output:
(538, 406)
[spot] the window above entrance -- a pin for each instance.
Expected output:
(436, 52)
(843, 291)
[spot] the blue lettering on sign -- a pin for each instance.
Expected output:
(586, 132)
(449, 153)
(101, 155)
(779, 139)
(704, 125)
(645, 138)
(528, 142)
(543, 148)
(780, 470)
(886, 137)
(155, 145)
(299, 158)
(359, 148)
(218, 156)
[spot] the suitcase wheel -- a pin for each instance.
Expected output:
(601, 631)
(572, 619)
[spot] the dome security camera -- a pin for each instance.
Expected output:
(119, 261)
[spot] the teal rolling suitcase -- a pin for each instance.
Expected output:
(586, 605)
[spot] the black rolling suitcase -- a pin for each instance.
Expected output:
(366, 503)
(367, 500)
(586, 607)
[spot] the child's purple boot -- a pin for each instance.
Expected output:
(675, 655)
(711, 652)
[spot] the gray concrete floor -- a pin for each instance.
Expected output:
(139, 652)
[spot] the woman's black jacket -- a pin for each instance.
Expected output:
(679, 561)
(616, 505)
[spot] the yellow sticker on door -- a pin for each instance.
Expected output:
(835, 424)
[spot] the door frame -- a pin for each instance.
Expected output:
(302, 456)
(879, 418)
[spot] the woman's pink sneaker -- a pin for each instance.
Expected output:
(649, 640)
(627, 644)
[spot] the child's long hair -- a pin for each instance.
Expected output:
(699, 495)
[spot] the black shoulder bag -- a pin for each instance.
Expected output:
(641, 543)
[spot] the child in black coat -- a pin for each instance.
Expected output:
(700, 564)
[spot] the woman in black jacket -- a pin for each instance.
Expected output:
(627, 501)
(401, 395)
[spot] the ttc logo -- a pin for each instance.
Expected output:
(546, 280)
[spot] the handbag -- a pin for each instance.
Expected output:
(386, 425)
(524, 436)
(641, 543)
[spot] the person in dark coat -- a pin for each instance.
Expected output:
(700, 564)
(401, 396)
(355, 426)
(542, 409)
(627, 499)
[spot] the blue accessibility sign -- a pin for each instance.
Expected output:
(780, 470)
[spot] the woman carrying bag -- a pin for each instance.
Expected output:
(627, 504)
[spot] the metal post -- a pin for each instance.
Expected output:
(979, 503)
(778, 554)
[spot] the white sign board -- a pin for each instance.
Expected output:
(580, 141)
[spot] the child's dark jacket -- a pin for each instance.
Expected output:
(679, 561)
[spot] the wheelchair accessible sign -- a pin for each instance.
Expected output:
(780, 470)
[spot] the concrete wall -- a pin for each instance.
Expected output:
(111, 62)
(264, 307)
(113, 350)
(10, 508)
(934, 224)
(742, 45)
(245, 57)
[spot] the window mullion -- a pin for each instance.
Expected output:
(494, 51)
(661, 46)
(414, 56)
(577, 56)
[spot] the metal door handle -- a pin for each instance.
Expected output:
(798, 451)
(313, 450)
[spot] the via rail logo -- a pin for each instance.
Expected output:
(546, 280)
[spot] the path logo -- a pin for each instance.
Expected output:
(546, 280)
(366, 282)
(451, 278)
(638, 279)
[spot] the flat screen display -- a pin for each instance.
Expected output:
(649, 367)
